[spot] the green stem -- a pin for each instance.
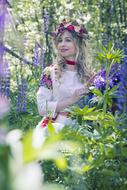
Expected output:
(108, 67)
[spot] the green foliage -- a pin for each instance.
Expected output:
(109, 54)
(4, 167)
(104, 151)
(107, 57)
(103, 142)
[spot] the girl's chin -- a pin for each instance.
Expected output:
(65, 54)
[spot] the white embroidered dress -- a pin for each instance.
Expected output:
(51, 91)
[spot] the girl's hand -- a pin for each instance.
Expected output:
(78, 94)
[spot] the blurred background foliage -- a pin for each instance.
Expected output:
(100, 137)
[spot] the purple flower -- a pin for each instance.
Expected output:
(113, 78)
(5, 79)
(7, 86)
(122, 90)
(2, 17)
(1, 51)
(61, 29)
(46, 20)
(21, 98)
(36, 56)
(114, 75)
(125, 51)
(100, 80)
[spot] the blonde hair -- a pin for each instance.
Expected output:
(82, 64)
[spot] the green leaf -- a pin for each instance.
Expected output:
(113, 89)
(61, 163)
(86, 168)
(97, 92)
(51, 128)
(90, 158)
(29, 152)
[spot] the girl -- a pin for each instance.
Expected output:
(65, 82)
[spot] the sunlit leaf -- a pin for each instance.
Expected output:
(61, 163)
(86, 168)
(90, 158)
(97, 92)
(51, 128)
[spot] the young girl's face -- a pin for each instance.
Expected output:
(66, 46)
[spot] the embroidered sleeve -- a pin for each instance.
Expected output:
(46, 105)
(46, 80)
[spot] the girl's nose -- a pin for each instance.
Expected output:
(62, 43)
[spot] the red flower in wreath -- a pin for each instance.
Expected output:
(70, 28)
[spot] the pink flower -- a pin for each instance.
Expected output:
(61, 25)
(70, 28)
(83, 30)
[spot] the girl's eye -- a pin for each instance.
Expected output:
(59, 41)
(68, 40)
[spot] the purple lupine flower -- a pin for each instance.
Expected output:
(2, 15)
(1, 60)
(2, 87)
(46, 20)
(3, 11)
(42, 62)
(21, 99)
(100, 80)
(122, 90)
(24, 93)
(4, 77)
(125, 52)
(104, 39)
(5, 80)
(7, 88)
(1, 51)
(114, 75)
(36, 56)
(113, 78)
(2, 22)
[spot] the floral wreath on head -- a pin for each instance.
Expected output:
(73, 27)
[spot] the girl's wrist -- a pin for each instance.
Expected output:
(71, 100)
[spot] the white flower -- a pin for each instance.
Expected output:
(13, 140)
(39, 136)
(29, 178)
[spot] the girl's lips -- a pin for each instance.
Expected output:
(63, 50)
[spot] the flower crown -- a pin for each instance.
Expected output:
(73, 27)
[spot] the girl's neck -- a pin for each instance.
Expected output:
(70, 67)
(70, 64)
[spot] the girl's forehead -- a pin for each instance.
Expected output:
(66, 34)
